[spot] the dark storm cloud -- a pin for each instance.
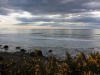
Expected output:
(4, 11)
(52, 7)
(47, 6)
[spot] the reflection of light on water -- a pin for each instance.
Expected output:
(96, 31)
(71, 38)
(97, 49)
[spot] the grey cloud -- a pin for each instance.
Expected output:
(46, 21)
(4, 11)
(94, 5)
(82, 18)
(86, 19)
(70, 26)
(34, 19)
(52, 24)
(22, 23)
(46, 6)
(43, 7)
(91, 21)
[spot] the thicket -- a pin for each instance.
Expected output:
(79, 65)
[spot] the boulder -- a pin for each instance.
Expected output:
(36, 53)
(39, 53)
(18, 47)
(6, 47)
(22, 50)
(50, 51)
(32, 54)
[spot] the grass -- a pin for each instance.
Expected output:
(79, 65)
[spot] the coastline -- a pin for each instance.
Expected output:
(19, 63)
(58, 52)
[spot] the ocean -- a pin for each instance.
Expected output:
(59, 40)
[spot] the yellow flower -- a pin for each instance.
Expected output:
(97, 65)
(38, 59)
(10, 70)
(17, 71)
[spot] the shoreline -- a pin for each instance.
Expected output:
(18, 63)
(58, 52)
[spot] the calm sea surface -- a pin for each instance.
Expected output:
(58, 40)
(68, 38)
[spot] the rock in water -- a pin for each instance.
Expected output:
(39, 53)
(18, 47)
(32, 54)
(6, 47)
(23, 50)
(50, 51)
(36, 53)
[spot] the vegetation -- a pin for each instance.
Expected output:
(79, 65)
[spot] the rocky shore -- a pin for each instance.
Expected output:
(58, 52)
(35, 63)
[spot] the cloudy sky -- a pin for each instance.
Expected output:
(50, 13)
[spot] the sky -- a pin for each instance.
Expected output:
(50, 14)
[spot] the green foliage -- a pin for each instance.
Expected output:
(81, 65)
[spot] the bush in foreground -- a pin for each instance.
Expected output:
(81, 65)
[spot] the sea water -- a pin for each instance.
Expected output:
(59, 40)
